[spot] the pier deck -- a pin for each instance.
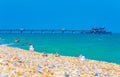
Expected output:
(42, 31)
(91, 31)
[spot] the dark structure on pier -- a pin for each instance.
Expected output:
(99, 31)
(92, 31)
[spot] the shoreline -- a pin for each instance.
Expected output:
(61, 55)
(23, 63)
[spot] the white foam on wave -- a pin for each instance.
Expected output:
(2, 42)
(7, 44)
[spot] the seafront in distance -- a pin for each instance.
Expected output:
(15, 62)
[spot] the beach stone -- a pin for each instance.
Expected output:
(4, 76)
(33, 64)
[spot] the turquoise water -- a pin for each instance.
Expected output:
(97, 47)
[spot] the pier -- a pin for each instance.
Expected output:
(91, 31)
(41, 31)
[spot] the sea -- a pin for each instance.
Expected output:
(101, 47)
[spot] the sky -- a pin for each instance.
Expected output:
(59, 14)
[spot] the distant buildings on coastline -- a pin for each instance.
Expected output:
(91, 31)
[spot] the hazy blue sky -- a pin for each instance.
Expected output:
(57, 14)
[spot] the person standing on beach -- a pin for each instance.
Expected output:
(31, 48)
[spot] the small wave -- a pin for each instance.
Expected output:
(7, 44)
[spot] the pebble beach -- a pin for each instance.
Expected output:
(16, 62)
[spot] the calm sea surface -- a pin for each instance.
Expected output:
(97, 47)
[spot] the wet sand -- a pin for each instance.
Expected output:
(15, 62)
